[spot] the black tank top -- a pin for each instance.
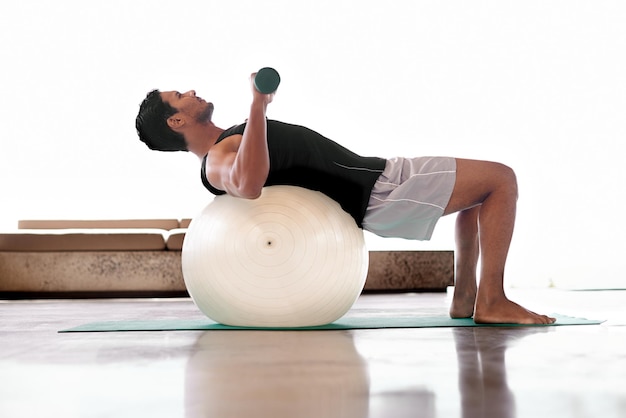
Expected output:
(302, 157)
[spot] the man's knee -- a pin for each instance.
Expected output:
(507, 178)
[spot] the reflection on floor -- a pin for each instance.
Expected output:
(570, 371)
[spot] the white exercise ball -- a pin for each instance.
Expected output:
(291, 258)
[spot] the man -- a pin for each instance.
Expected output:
(396, 197)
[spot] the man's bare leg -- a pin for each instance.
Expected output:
(467, 252)
(493, 186)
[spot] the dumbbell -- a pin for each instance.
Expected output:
(266, 80)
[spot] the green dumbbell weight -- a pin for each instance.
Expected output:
(266, 80)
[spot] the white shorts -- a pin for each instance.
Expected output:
(410, 196)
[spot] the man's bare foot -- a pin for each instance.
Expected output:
(463, 301)
(504, 311)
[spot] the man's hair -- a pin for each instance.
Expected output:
(152, 128)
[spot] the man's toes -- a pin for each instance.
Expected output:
(546, 319)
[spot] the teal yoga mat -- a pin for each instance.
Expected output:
(341, 324)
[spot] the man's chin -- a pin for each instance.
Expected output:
(207, 114)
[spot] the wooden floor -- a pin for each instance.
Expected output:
(569, 371)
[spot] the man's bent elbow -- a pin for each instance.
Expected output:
(247, 190)
(251, 194)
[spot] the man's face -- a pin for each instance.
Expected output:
(190, 105)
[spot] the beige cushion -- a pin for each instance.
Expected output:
(166, 224)
(83, 240)
(184, 223)
(175, 239)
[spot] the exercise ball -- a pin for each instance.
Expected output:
(291, 258)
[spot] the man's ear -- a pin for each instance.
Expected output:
(175, 122)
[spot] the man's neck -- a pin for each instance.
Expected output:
(201, 142)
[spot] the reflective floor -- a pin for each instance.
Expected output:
(568, 371)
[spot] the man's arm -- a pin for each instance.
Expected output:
(240, 164)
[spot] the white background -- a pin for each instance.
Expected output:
(538, 85)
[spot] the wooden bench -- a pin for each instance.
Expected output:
(142, 257)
